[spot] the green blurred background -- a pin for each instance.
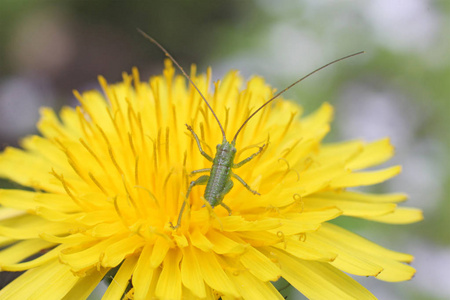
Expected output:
(399, 88)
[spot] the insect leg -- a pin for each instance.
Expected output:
(200, 171)
(244, 183)
(198, 144)
(242, 162)
(226, 190)
(226, 207)
(202, 180)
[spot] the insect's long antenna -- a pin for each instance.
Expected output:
(279, 94)
(185, 74)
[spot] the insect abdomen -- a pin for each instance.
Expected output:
(220, 173)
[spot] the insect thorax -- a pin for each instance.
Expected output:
(225, 154)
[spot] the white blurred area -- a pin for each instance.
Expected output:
(282, 41)
(405, 25)
(373, 113)
(20, 100)
(40, 47)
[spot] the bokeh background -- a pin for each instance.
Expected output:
(399, 88)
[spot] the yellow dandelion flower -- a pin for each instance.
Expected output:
(108, 178)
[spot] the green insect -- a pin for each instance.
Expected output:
(218, 182)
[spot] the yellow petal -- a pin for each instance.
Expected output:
(317, 179)
(318, 119)
(251, 287)
(18, 199)
(57, 284)
(41, 260)
(200, 241)
(191, 274)
(143, 274)
(221, 244)
(121, 279)
(343, 152)
(213, 273)
(295, 223)
(85, 285)
(188, 295)
(348, 207)
(363, 197)
(342, 236)
(50, 126)
(6, 241)
(98, 217)
(260, 238)
(402, 215)
(159, 252)
(373, 154)
(46, 149)
(85, 256)
(104, 230)
(22, 250)
(259, 265)
(56, 215)
(71, 121)
(362, 257)
(153, 283)
(115, 253)
(96, 107)
(61, 202)
(76, 238)
(30, 227)
(318, 280)
(306, 250)
(365, 178)
(396, 272)
(348, 259)
(237, 223)
(51, 281)
(27, 200)
(10, 213)
(169, 282)
(28, 170)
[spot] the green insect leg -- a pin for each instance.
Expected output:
(246, 160)
(200, 171)
(226, 190)
(202, 180)
(198, 144)
(244, 183)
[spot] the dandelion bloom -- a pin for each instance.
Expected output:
(107, 179)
